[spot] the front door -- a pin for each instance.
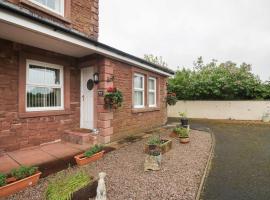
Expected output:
(87, 99)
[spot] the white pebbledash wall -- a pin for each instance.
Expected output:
(238, 110)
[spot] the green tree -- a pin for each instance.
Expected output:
(156, 60)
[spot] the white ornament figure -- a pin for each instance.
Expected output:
(101, 188)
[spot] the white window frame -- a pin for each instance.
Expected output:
(152, 91)
(62, 7)
(61, 85)
(138, 90)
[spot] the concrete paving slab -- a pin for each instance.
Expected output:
(31, 157)
(7, 163)
(60, 150)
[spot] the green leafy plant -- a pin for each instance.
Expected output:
(183, 114)
(3, 179)
(181, 132)
(64, 185)
(23, 172)
(95, 149)
(154, 140)
(113, 98)
(171, 99)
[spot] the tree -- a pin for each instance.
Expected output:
(155, 59)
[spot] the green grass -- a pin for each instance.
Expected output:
(64, 185)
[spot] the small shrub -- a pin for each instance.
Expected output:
(183, 114)
(64, 185)
(171, 99)
(181, 132)
(154, 140)
(23, 172)
(95, 149)
(3, 179)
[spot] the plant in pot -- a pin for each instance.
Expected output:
(91, 155)
(113, 98)
(183, 119)
(171, 99)
(18, 179)
(183, 134)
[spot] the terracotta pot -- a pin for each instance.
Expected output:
(184, 140)
(82, 160)
(16, 186)
(174, 135)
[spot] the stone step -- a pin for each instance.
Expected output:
(80, 137)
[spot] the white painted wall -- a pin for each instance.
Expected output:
(238, 110)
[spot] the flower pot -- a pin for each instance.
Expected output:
(184, 140)
(83, 160)
(184, 122)
(164, 147)
(14, 185)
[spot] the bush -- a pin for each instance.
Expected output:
(23, 172)
(64, 185)
(213, 81)
(95, 149)
(154, 140)
(181, 132)
(3, 179)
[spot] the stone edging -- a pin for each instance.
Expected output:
(207, 167)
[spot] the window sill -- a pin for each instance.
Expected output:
(142, 110)
(44, 113)
(44, 10)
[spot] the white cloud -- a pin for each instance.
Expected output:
(181, 30)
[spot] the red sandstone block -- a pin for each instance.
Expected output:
(106, 131)
(102, 109)
(103, 124)
(105, 85)
(105, 116)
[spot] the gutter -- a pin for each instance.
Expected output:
(58, 27)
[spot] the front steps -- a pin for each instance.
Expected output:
(80, 136)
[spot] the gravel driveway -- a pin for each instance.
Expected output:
(179, 177)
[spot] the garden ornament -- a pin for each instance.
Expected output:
(101, 188)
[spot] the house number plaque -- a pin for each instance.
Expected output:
(100, 93)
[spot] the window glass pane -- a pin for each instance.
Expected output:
(52, 4)
(43, 97)
(151, 84)
(138, 82)
(138, 98)
(36, 74)
(52, 76)
(151, 98)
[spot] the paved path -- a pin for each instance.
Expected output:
(240, 168)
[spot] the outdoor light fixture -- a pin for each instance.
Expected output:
(96, 78)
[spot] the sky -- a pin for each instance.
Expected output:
(182, 30)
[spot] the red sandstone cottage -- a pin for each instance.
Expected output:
(48, 52)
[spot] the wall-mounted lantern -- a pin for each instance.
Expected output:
(96, 78)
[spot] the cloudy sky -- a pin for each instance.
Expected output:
(182, 30)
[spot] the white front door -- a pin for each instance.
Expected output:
(87, 99)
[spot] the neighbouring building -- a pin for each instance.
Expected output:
(49, 53)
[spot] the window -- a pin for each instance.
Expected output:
(56, 6)
(138, 91)
(152, 92)
(44, 86)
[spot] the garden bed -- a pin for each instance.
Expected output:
(179, 177)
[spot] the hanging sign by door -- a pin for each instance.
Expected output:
(90, 84)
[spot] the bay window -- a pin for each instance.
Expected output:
(152, 92)
(138, 83)
(56, 6)
(44, 86)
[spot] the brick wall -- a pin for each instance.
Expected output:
(81, 15)
(126, 121)
(19, 132)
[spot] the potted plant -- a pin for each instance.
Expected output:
(91, 155)
(183, 135)
(156, 143)
(183, 119)
(175, 132)
(171, 99)
(113, 98)
(18, 179)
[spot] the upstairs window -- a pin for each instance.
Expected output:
(56, 6)
(152, 92)
(138, 84)
(44, 86)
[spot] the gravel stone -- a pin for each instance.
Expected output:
(178, 179)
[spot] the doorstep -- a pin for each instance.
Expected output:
(39, 155)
